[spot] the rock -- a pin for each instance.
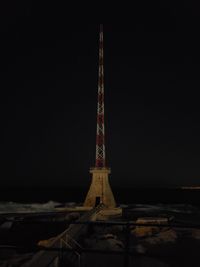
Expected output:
(196, 234)
(105, 242)
(73, 216)
(162, 237)
(141, 231)
(6, 225)
(45, 243)
(109, 244)
(107, 236)
(145, 231)
(102, 230)
(140, 249)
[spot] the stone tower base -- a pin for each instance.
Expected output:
(100, 190)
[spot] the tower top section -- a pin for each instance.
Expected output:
(100, 136)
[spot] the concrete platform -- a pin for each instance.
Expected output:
(105, 214)
(74, 209)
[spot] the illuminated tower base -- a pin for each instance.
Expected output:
(100, 190)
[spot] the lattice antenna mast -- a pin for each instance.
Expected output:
(100, 190)
(100, 138)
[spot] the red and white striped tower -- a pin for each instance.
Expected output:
(100, 190)
(100, 138)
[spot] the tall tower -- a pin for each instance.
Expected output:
(100, 190)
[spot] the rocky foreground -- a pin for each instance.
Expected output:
(149, 246)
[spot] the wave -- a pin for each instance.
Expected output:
(13, 207)
(175, 208)
(50, 206)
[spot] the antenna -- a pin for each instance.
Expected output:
(100, 135)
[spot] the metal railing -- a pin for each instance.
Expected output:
(43, 258)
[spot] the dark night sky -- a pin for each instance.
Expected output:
(49, 73)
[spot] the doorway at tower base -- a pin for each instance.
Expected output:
(100, 190)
